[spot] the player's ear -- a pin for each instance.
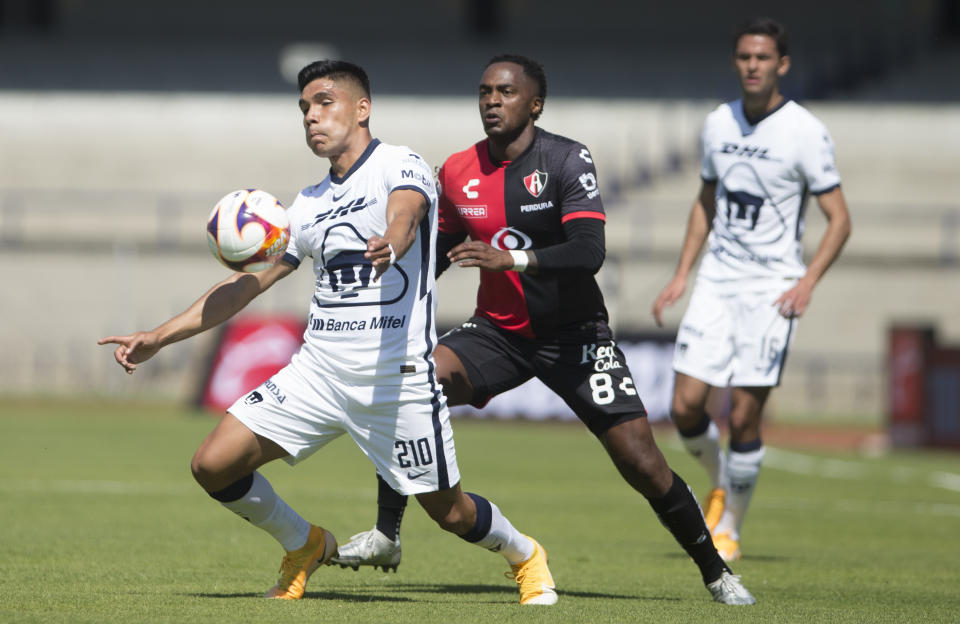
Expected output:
(536, 106)
(363, 110)
(783, 66)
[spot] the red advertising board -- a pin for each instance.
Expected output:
(908, 351)
(250, 350)
(924, 399)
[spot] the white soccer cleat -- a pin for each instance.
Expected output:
(370, 548)
(729, 590)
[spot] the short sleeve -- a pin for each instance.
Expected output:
(409, 171)
(817, 159)
(448, 219)
(579, 188)
(708, 172)
(295, 252)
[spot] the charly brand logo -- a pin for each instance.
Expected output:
(468, 188)
(253, 398)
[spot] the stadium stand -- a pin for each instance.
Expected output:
(114, 154)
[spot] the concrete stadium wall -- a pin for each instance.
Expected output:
(103, 200)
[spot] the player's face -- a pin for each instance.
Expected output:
(759, 66)
(508, 99)
(332, 113)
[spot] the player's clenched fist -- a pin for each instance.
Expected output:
(381, 255)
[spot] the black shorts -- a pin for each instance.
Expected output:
(583, 366)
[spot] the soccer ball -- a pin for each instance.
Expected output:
(248, 230)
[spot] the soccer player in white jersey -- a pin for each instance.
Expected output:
(365, 367)
(762, 155)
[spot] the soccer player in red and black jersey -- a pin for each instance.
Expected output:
(530, 204)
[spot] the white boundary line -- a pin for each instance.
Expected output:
(92, 486)
(848, 505)
(833, 468)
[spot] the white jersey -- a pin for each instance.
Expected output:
(764, 172)
(360, 330)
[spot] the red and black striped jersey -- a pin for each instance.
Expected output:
(524, 204)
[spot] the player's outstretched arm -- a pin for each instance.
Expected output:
(698, 227)
(215, 306)
(405, 209)
(795, 301)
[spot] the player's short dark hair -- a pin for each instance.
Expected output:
(334, 70)
(531, 69)
(763, 26)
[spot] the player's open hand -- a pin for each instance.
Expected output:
(482, 255)
(667, 297)
(380, 254)
(794, 302)
(133, 349)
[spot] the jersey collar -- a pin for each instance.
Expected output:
(506, 163)
(747, 125)
(363, 158)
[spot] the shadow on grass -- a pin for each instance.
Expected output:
(753, 557)
(387, 594)
(324, 595)
(494, 589)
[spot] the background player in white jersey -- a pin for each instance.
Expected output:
(366, 367)
(762, 155)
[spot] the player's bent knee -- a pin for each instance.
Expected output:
(685, 409)
(209, 473)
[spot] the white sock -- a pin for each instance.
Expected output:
(706, 448)
(262, 508)
(502, 537)
(742, 472)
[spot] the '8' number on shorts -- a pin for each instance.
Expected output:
(601, 385)
(602, 388)
(413, 453)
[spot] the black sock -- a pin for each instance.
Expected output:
(698, 429)
(390, 508)
(679, 512)
(235, 491)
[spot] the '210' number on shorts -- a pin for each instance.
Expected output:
(601, 385)
(418, 452)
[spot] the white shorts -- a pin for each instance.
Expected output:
(736, 339)
(404, 429)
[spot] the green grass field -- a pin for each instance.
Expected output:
(102, 522)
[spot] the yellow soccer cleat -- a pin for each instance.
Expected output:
(533, 576)
(728, 548)
(714, 507)
(299, 564)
